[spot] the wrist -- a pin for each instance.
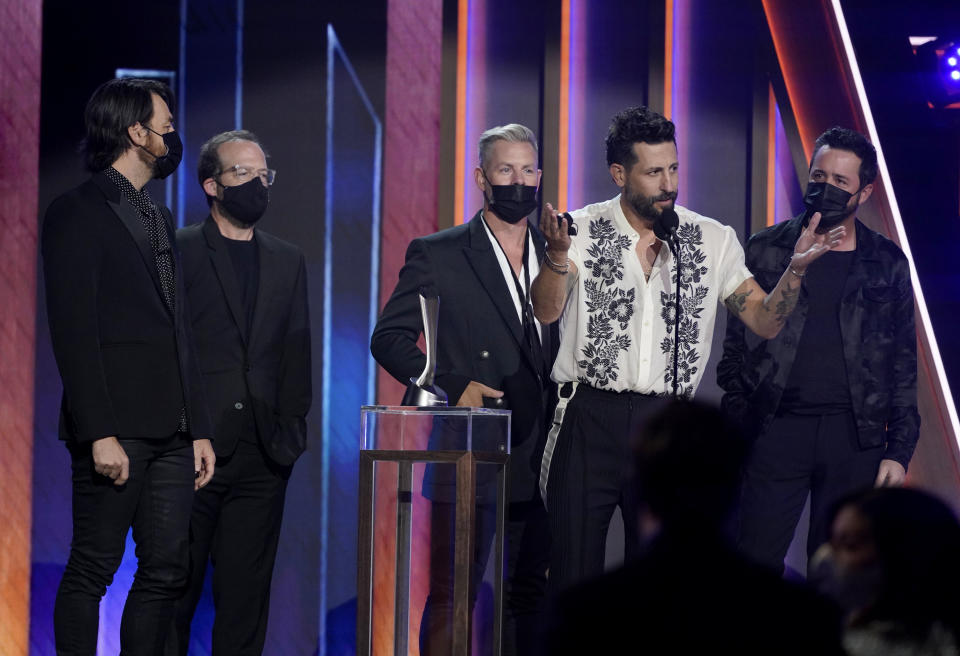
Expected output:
(556, 263)
(798, 270)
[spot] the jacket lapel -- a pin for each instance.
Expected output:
(483, 260)
(546, 334)
(223, 266)
(850, 307)
(130, 218)
(270, 262)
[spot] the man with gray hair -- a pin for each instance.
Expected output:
(492, 352)
(248, 295)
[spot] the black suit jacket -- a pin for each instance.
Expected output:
(479, 337)
(266, 372)
(125, 360)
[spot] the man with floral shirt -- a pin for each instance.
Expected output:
(613, 286)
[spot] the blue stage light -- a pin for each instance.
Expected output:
(952, 61)
(955, 75)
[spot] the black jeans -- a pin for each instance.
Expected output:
(156, 502)
(797, 455)
(236, 525)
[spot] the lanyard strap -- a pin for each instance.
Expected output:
(523, 292)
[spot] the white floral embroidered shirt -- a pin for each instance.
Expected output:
(616, 332)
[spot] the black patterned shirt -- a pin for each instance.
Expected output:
(616, 332)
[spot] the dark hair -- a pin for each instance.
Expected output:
(917, 541)
(209, 164)
(114, 107)
(632, 125)
(688, 460)
(847, 139)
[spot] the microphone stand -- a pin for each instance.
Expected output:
(665, 228)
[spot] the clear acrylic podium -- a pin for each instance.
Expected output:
(419, 467)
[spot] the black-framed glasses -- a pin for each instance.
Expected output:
(243, 174)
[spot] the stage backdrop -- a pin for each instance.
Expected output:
(371, 112)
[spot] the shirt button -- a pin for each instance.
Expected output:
(484, 355)
(238, 405)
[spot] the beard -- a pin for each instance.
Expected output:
(149, 159)
(644, 205)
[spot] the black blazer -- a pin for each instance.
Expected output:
(479, 337)
(266, 372)
(126, 362)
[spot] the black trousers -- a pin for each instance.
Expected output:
(797, 455)
(590, 475)
(528, 549)
(156, 502)
(236, 526)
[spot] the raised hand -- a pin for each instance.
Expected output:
(811, 245)
(555, 229)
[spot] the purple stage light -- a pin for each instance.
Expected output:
(955, 75)
(952, 61)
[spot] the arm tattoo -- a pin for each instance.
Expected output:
(787, 303)
(736, 302)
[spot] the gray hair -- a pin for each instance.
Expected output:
(513, 132)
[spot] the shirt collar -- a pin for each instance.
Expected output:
(624, 227)
(136, 198)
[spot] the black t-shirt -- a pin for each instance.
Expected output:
(246, 267)
(818, 384)
(245, 257)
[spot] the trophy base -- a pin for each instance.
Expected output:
(423, 397)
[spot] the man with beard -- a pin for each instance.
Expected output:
(133, 416)
(613, 287)
(248, 293)
(832, 400)
(491, 352)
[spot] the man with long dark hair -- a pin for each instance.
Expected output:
(132, 414)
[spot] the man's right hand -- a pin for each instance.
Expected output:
(555, 229)
(472, 396)
(110, 460)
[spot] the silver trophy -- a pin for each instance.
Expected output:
(422, 391)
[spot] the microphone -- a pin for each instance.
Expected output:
(571, 226)
(665, 226)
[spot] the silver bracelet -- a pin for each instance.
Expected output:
(798, 275)
(560, 269)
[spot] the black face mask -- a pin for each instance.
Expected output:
(167, 163)
(512, 202)
(246, 202)
(831, 201)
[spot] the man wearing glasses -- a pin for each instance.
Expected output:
(248, 297)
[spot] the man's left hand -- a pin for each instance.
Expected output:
(203, 461)
(811, 245)
(891, 474)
